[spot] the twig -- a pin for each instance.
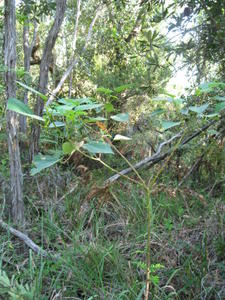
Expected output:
(190, 171)
(2, 182)
(214, 185)
(68, 193)
(24, 238)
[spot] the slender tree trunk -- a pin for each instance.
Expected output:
(74, 60)
(44, 69)
(23, 119)
(16, 175)
(74, 43)
(27, 49)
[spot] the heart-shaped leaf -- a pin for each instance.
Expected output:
(98, 147)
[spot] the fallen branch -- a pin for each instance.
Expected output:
(144, 162)
(154, 159)
(24, 238)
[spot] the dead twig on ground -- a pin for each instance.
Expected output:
(24, 238)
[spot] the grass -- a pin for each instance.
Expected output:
(101, 245)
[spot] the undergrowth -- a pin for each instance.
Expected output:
(100, 243)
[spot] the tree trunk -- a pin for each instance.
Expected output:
(44, 69)
(16, 175)
(27, 50)
(74, 60)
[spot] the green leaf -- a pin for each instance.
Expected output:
(104, 91)
(212, 131)
(75, 102)
(123, 117)
(88, 106)
(42, 96)
(62, 109)
(178, 101)
(109, 107)
(169, 124)
(204, 88)
(69, 102)
(208, 87)
(119, 137)
(57, 124)
(219, 107)
(212, 115)
(68, 148)
(21, 108)
(42, 162)
(219, 98)
(157, 112)
(154, 279)
(199, 109)
(53, 112)
(122, 88)
(184, 111)
(98, 147)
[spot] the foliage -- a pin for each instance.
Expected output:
(114, 111)
(13, 289)
(202, 24)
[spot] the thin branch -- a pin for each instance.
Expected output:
(34, 36)
(68, 193)
(74, 43)
(190, 171)
(24, 238)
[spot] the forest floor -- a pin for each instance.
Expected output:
(100, 241)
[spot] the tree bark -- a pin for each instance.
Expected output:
(27, 49)
(44, 69)
(16, 176)
(137, 25)
(74, 43)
